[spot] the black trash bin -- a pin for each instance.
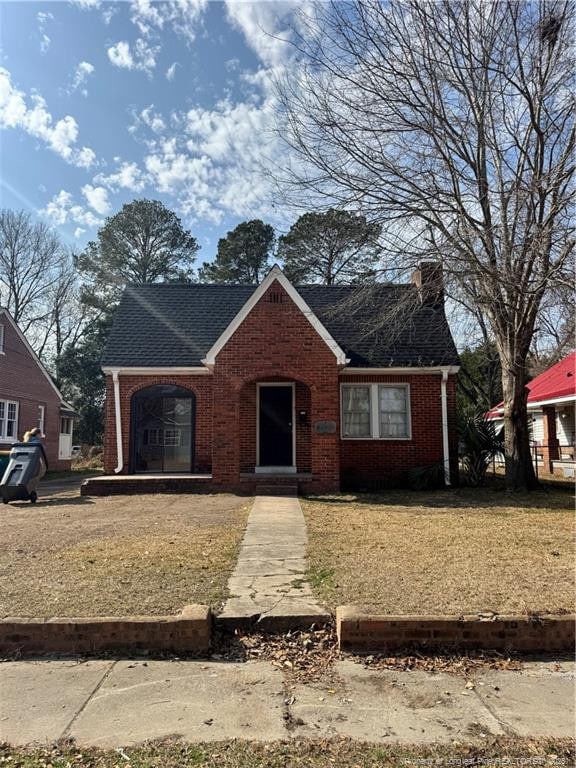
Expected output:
(27, 465)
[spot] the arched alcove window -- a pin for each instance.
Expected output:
(162, 429)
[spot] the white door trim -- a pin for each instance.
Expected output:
(291, 469)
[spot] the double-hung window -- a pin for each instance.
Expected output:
(393, 412)
(8, 420)
(376, 411)
(356, 411)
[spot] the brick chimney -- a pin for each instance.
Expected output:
(429, 281)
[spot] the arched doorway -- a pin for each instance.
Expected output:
(162, 429)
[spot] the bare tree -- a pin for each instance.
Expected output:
(66, 318)
(39, 284)
(452, 123)
(31, 256)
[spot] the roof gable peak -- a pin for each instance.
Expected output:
(274, 275)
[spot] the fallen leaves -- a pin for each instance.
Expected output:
(302, 655)
(310, 655)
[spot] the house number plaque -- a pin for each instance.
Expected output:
(325, 427)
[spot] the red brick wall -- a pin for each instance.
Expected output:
(202, 388)
(374, 462)
(366, 633)
(22, 380)
(190, 631)
(275, 340)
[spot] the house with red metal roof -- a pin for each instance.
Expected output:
(551, 407)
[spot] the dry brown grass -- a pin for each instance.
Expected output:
(298, 753)
(120, 555)
(452, 552)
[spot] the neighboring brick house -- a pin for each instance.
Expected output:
(329, 386)
(29, 398)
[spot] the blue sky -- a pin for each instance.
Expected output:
(103, 102)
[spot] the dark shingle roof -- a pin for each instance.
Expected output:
(176, 324)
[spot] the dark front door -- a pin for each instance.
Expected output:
(163, 429)
(275, 430)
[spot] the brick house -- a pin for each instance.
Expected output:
(29, 398)
(320, 386)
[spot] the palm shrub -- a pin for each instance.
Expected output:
(480, 442)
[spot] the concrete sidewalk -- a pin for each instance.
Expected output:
(122, 703)
(269, 583)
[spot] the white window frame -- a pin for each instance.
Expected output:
(373, 425)
(4, 438)
(172, 437)
(66, 426)
(374, 388)
(41, 418)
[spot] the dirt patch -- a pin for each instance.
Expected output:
(118, 555)
(452, 552)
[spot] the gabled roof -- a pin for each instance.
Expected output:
(275, 274)
(555, 384)
(4, 313)
(179, 324)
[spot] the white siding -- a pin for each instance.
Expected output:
(537, 434)
(565, 427)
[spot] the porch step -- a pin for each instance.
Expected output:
(281, 489)
(135, 484)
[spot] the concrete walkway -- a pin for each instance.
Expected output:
(122, 703)
(269, 583)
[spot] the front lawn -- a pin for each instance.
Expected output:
(444, 552)
(118, 555)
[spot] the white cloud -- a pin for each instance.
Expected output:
(108, 13)
(97, 198)
(128, 176)
(83, 71)
(152, 119)
(211, 160)
(120, 55)
(85, 158)
(35, 119)
(171, 71)
(43, 18)
(62, 210)
(87, 4)
(229, 129)
(264, 26)
(78, 232)
(140, 57)
(181, 15)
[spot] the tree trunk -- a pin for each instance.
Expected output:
(519, 468)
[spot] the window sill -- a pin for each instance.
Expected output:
(379, 439)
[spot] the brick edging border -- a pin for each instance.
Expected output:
(361, 632)
(188, 632)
